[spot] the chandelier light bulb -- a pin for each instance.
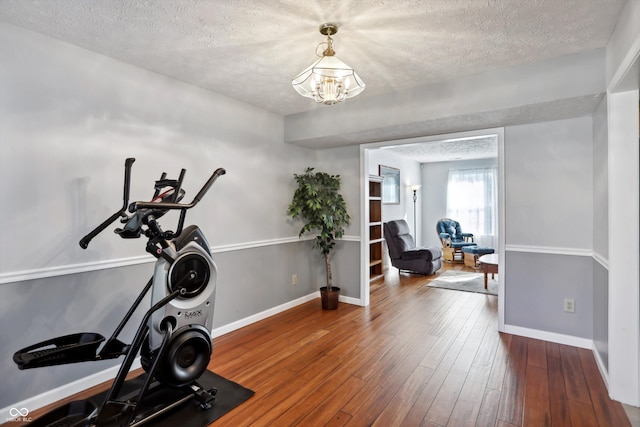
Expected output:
(328, 80)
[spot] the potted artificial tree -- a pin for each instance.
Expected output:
(318, 202)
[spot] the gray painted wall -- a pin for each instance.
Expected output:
(549, 193)
(549, 209)
(36, 310)
(345, 161)
(536, 285)
(345, 259)
(345, 269)
(70, 117)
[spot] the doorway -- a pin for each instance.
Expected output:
(370, 158)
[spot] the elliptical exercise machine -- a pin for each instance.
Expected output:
(173, 339)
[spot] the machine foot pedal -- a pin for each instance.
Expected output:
(73, 348)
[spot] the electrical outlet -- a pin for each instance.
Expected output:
(294, 279)
(569, 305)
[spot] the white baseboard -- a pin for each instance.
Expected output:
(350, 300)
(217, 332)
(603, 370)
(222, 330)
(549, 336)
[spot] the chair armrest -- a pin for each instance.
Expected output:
(446, 240)
(428, 254)
(467, 237)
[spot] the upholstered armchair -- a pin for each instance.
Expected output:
(403, 252)
(453, 239)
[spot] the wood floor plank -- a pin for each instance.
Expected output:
(448, 395)
(582, 414)
(340, 419)
(444, 402)
(448, 332)
(280, 360)
(512, 402)
(403, 400)
(558, 401)
(326, 370)
(467, 407)
(537, 409)
(323, 405)
(553, 349)
(489, 408)
(273, 350)
(575, 383)
(420, 408)
(385, 361)
(537, 353)
(500, 362)
(367, 404)
(487, 352)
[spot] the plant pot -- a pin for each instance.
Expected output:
(329, 298)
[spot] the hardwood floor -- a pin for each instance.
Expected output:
(417, 356)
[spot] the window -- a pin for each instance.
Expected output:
(472, 201)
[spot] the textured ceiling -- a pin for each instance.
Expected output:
(481, 147)
(250, 50)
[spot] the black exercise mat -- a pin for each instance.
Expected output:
(229, 395)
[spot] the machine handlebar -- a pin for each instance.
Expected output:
(128, 163)
(136, 206)
(151, 206)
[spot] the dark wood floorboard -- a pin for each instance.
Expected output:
(417, 356)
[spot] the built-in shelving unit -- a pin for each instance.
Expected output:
(376, 241)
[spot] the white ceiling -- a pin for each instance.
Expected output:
(250, 50)
(480, 147)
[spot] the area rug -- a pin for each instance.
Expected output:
(465, 281)
(229, 395)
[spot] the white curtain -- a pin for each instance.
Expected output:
(472, 200)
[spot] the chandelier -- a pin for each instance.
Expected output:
(328, 80)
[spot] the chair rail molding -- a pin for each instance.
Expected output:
(549, 250)
(63, 270)
(601, 260)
